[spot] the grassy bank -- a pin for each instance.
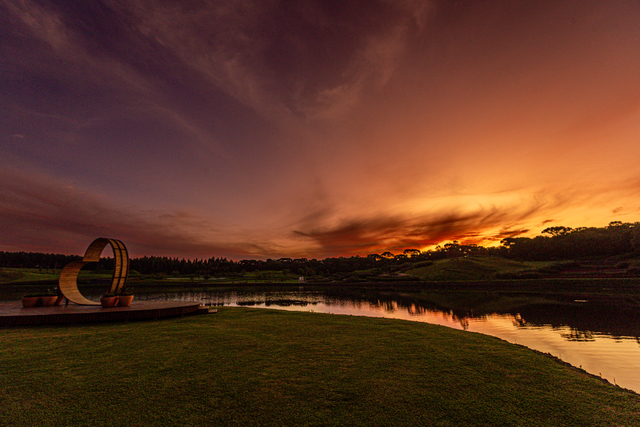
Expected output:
(266, 367)
(34, 275)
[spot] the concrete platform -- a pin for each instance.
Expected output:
(13, 314)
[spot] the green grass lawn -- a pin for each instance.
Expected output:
(256, 367)
(472, 268)
(8, 275)
(18, 275)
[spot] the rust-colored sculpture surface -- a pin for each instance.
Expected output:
(68, 278)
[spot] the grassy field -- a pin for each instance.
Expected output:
(9, 275)
(468, 268)
(252, 367)
(472, 268)
(34, 275)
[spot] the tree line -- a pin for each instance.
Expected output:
(555, 243)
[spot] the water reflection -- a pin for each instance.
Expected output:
(602, 339)
(583, 320)
(577, 335)
(606, 319)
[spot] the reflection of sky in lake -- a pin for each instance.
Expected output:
(616, 359)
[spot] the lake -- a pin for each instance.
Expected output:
(602, 339)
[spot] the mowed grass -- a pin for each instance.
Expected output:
(18, 275)
(8, 275)
(472, 268)
(257, 367)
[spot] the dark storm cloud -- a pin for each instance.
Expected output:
(484, 225)
(362, 236)
(504, 233)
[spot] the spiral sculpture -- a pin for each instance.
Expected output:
(68, 284)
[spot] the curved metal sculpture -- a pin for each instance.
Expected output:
(68, 284)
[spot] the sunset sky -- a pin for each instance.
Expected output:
(267, 129)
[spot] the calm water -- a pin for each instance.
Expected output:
(604, 341)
